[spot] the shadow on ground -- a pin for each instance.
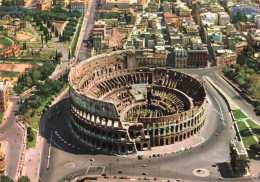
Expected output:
(56, 121)
(224, 170)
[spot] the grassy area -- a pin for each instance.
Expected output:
(254, 127)
(51, 45)
(4, 43)
(1, 116)
(246, 135)
(32, 143)
(28, 30)
(66, 46)
(33, 121)
(32, 61)
(34, 45)
(106, 51)
(238, 114)
(8, 74)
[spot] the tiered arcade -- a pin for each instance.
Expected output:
(121, 108)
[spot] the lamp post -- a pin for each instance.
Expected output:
(110, 165)
(158, 172)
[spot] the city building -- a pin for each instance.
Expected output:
(147, 41)
(24, 3)
(225, 57)
(223, 18)
(197, 53)
(4, 96)
(239, 159)
(99, 34)
(78, 5)
(138, 5)
(250, 9)
(118, 107)
(180, 56)
(3, 146)
(11, 51)
(43, 5)
(244, 26)
(253, 38)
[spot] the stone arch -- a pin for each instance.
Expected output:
(180, 138)
(93, 118)
(138, 134)
(122, 148)
(145, 145)
(184, 136)
(130, 149)
(176, 139)
(98, 120)
(138, 146)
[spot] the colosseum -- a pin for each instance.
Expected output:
(121, 108)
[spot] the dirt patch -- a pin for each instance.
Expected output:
(59, 25)
(1, 46)
(117, 37)
(14, 67)
(21, 35)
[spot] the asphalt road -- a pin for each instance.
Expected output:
(86, 47)
(12, 133)
(234, 95)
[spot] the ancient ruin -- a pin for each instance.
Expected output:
(122, 108)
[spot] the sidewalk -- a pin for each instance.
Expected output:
(179, 146)
(33, 156)
(7, 113)
(32, 160)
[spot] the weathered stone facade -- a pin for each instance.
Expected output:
(122, 108)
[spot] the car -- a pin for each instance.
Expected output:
(99, 167)
(216, 134)
(120, 172)
(144, 165)
(114, 154)
(124, 156)
(178, 179)
(144, 174)
(103, 174)
(221, 178)
(92, 160)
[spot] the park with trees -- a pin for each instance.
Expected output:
(246, 74)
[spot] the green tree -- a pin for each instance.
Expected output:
(24, 179)
(240, 17)
(24, 46)
(56, 33)
(255, 148)
(5, 179)
(30, 134)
